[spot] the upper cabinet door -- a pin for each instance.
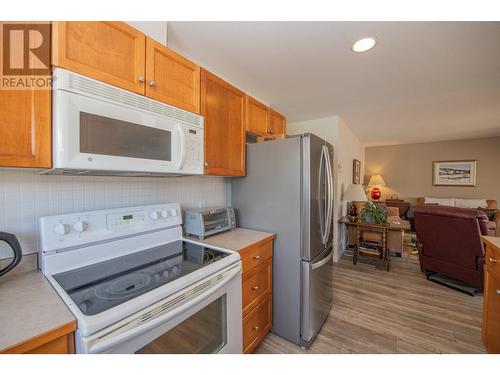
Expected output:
(257, 117)
(277, 123)
(25, 124)
(25, 128)
(112, 52)
(171, 78)
(224, 109)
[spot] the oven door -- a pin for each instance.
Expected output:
(98, 135)
(203, 318)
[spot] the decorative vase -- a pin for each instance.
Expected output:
(375, 194)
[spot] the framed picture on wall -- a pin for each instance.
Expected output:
(454, 173)
(356, 171)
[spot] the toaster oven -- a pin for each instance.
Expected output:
(205, 222)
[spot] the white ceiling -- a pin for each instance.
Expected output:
(424, 81)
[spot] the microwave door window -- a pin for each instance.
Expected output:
(108, 136)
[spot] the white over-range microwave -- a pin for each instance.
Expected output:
(99, 129)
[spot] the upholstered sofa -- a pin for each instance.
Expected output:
(494, 222)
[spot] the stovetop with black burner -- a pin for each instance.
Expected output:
(101, 286)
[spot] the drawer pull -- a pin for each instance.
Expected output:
(255, 288)
(256, 328)
(493, 260)
(257, 257)
(498, 291)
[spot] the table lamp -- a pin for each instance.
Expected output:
(375, 182)
(354, 193)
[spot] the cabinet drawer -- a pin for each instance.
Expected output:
(256, 255)
(492, 260)
(257, 283)
(257, 324)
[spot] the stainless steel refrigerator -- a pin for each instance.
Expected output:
(288, 190)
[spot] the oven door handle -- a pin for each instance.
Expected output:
(104, 344)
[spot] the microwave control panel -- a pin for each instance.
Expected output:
(194, 150)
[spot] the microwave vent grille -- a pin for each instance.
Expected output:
(117, 95)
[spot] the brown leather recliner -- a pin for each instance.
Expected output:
(449, 241)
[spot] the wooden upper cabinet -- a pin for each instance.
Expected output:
(25, 128)
(112, 52)
(277, 123)
(257, 117)
(224, 109)
(25, 124)
(171, 78)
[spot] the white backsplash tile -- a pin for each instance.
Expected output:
(25, 196)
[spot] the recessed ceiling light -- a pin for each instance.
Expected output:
(364, 44)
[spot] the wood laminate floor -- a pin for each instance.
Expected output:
(375, 311)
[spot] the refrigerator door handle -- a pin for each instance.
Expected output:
(322, 215)
(322, 262)
(329, 216)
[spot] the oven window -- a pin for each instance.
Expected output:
(203, 333)
(107, 136)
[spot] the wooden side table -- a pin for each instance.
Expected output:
(380, 254)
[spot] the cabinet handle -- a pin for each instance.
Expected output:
(269, 131)
(257, 257)
(256, 328)
(498, 291)
(141, 79)
(492, 260)
(206, 164)
(152, 83)
(255, 288)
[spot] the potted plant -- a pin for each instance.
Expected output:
(374, 214)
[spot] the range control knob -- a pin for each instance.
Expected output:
(61, 229)
(154, 215)
(173, 212)
(80, 226)
(164, 214)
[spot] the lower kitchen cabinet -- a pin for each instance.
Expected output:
(57, 341)
(257, 324)
(491, 301)
(257, 293)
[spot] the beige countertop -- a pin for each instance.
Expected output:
(29, 307)
(237, 239)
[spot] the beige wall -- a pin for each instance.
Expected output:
(407, 169)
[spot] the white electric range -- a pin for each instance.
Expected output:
(136, 286)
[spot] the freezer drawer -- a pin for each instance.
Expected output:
(316, 295)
